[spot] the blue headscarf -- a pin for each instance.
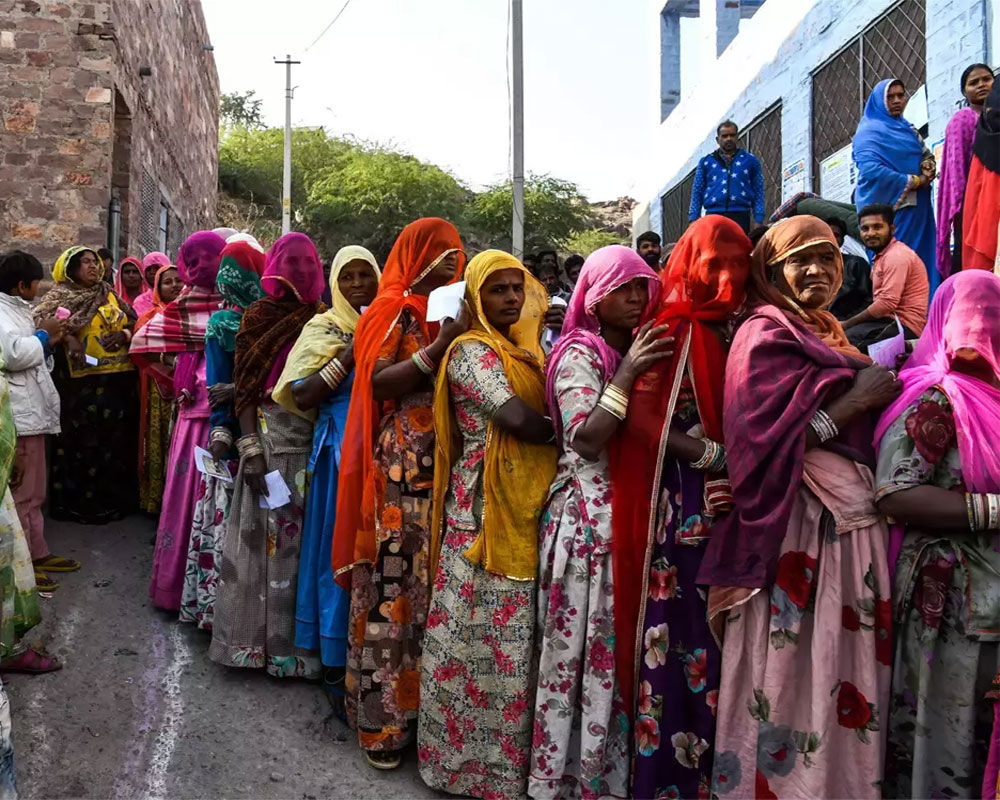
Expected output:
(886, 149)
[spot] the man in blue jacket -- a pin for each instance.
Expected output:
(729, 181)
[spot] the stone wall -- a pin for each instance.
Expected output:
(69, 69)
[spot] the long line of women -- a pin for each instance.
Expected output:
(702, 548)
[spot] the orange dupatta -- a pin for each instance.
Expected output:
(417, 250)
(516, 474)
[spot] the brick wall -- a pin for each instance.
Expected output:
(62, 66)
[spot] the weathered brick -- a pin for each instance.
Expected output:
(98, 95)
(6, 38)
(41, 25)
(38, 59)
(27, 41)
(21, 116)
(72, 147)
(17, 159)
(36, 210)
(26, 232)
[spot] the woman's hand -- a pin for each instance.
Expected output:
(254, 470)
(555, 317)
(875, 387)
(451, 329)
(218, 450)
(646, 350)
(928, 170)
(220, 394)
(75, 350)
(114, 341)
(347, 356)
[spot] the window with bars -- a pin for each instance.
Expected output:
(674, 206)
(762, 137)
(149, 209)
(893, 46)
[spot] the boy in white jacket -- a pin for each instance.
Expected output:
(34, 400)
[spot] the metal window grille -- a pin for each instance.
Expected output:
(149, 208)
(175, 235)
(893, 46)
(674, 206)
(762, 137)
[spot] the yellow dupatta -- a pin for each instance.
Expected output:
(324, 336)
(516, 474)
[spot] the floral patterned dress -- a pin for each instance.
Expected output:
(804, 692)
(478, 671)
(580, 743)
(678, 664)
(947, 602)
(389, 598)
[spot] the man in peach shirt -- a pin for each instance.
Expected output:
(899, 283)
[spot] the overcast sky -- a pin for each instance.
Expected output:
(430, 77)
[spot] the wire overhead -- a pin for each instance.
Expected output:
(343, 8)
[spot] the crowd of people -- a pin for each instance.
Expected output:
(647, 524)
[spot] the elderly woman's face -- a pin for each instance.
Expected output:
(810, 276)
(87, 270)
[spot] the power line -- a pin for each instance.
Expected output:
(323, 33)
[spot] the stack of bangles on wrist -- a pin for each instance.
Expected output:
(333, 373)
(221, 434)
(984, 512)
(423, 361)
(614, 401)
(823, 426)
(249, 446)
(713, 459)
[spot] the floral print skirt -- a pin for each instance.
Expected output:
(580, 739)
(806, 666)
(208, 533)
(478, 678)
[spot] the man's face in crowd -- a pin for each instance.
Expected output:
(728, 139)
(876, 233)
(650, 252)
(548, 261)
(548, 278)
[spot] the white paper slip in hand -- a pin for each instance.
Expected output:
(277, 494)
(89, 360)
(888, 351)
(209, 466)
(445, 301)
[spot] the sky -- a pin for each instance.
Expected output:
(430, 78)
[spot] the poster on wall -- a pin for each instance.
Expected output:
(837, 176)
(793, 179)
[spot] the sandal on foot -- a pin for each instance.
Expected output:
(333, 685)
(44, 583)
(31, 661)
(57, 564)
(383, 760)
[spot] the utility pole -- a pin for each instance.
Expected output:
(517, 124)
(286, 183)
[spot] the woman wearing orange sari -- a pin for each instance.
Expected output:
(381, 538)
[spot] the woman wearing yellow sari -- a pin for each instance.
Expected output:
(494, 462)
(93, 476)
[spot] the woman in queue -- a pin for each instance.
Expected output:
(939, 476)
(581, 731)
(478, 671)
(382, 533)
(254, 625)
(803, 617)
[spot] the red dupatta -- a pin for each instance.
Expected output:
(704, 286)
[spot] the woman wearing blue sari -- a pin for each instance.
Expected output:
(894, 167)
(316, 383)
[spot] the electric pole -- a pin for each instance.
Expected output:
(286, 183)
(517, 125)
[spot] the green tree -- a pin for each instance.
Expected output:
(241, 110)
(586, 242)
(554, 210)
(372, 193)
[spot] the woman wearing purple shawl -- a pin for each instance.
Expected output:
(581, 740)
(939, 475)
(177, 336)
(976, 82)
(798, 571)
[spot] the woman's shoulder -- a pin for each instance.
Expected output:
(960, 120)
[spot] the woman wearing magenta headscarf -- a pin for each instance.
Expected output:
(939, 475)
(254, 622)
(151, 264)
(894, 167)
(177, 336)
(581, 741)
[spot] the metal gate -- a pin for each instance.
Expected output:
(675, 205)
(893, 46)
(762, 137)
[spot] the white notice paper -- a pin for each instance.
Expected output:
(551, 336)
(886, 352)
(445, 301)
(90, 360)
(209, 466)
(277, 491)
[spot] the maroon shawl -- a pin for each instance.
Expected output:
(778, 374)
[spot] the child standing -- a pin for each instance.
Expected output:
(34, 400)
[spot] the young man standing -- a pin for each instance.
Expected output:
(647, 245)
(899, 282)
(729, 182)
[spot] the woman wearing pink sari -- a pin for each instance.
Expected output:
(939, 475)
(178, 332)
(130, 283)
(798, 570)
(150, 266)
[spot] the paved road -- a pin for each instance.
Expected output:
(139, 711)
